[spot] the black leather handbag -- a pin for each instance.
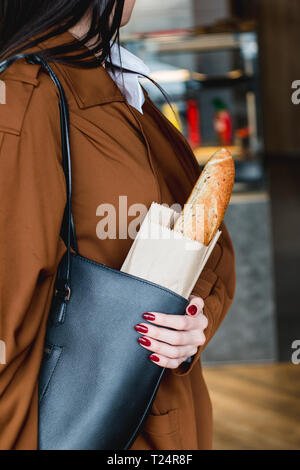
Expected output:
(96, 383)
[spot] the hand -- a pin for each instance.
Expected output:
(174, 346)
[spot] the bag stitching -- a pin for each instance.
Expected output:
(51, 375)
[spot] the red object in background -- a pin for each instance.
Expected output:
(193, 123)
(243, 133)
(223, 123)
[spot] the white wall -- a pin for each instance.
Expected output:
(155, 15)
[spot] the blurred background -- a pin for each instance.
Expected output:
(230, 68)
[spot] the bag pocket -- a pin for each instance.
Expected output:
(162, 432)
(50, 360)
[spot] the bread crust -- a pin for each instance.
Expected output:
(207, 204)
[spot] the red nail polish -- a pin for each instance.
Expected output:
(192, 309)
(144, 341)
(154, 358)
(141, 328)
(149, 316)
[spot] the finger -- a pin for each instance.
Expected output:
(177, 322)
(165, 349)
(167, 362)
(176, 338)
(202, 321)
(195, 307)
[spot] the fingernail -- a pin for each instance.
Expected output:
(141, 328)
(154, 358)
(192, 309)
(149, 316)
(144, 341)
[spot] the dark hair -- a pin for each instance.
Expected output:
(26, 23)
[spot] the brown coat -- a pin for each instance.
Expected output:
(115, 151)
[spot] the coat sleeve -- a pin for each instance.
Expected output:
(216, 285)
(33, 196)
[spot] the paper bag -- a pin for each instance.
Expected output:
(165, 257)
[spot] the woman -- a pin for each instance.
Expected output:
(117, 150)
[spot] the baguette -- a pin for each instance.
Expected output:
(207, 204)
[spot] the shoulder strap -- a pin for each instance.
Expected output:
(68, 233)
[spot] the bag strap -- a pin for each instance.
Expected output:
(67, 232)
